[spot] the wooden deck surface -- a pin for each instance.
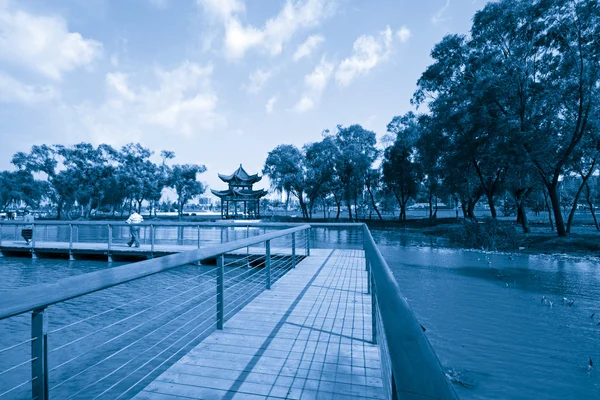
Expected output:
(82, 248)
(309, 337)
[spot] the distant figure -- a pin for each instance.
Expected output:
(27, 231)
(133, 220)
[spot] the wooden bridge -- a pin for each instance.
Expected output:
(312, 323)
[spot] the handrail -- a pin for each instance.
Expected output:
(155, 223)
(417, 372)
(18, 301)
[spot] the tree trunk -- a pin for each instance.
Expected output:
(555, 201)
(430, 206)
(549, 209)
(523, 217)
(436, 208)
(490, 198)
(584, 180)
(356, 208)
(373, 203)
(324, 210)
(349, 204)
(588, 198)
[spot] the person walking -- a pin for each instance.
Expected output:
(134, 220)
(27, 231)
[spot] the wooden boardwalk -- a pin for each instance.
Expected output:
(309, 337)
(121, 249)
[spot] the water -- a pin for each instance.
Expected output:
(502, 342)
(487, 321)
(122, 337)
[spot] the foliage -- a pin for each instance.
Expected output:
(489, 234)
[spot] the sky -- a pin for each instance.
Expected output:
(219, 82)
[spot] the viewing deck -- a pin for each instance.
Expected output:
(233, 313)
(309, 337)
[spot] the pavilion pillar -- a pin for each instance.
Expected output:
(221, 208)
(227, 211)
(235, 208)
(245, 214)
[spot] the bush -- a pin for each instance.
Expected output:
(488, 234)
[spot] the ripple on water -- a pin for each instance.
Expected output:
(502, 341)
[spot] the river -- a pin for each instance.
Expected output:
(485, 314)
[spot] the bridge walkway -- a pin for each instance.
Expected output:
(309, 337)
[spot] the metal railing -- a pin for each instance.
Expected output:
(105, 334)
(410, 367)
(155, 237)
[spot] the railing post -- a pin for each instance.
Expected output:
(152, 240)
(33, 255)
(220, 291)
(308, 242)
(198, 236)
(109, 242)
(268, 262)
(71, 242)
(39, 355)
(369, 276)
(373, 307)
(294, 250)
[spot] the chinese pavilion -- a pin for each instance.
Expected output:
(240, 191)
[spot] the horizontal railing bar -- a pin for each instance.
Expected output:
(129, 303)
(17, 345)
(17, 366)
(18, 301)
(158, 223)
(416, 368)
(16, 387)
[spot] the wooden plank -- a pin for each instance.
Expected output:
(307, 337)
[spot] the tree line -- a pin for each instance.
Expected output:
(510, 109)
(82, 179)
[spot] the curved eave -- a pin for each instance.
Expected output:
(221, 193)
(232, 178)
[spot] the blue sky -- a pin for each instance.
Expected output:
(219, 82)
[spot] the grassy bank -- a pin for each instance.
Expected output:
(584, 240)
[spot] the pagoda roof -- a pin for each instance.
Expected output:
(240, 175)
(241, 194)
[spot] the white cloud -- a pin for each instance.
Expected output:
(315, 84)
(258, 79)
(270, 104)
(14, 91)
(403, 34)
(309, 45)
(367, 52)
(276, 32)
(439, 14)
(43, 43)
(181, 103)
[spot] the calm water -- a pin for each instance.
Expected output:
(503, 342)
(486, 319)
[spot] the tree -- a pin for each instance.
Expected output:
(285, 166)
(357, 153)
(183, 179)
(321, 174)
(399, 174)
(543, 58)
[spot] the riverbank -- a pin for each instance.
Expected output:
(583, 241)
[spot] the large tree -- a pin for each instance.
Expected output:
(285, 166)
(184, 180)
(357, 152)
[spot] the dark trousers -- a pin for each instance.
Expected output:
(135, 236)
(27, 234)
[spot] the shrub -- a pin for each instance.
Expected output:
(488, 234)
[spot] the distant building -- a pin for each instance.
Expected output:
(240, 191)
